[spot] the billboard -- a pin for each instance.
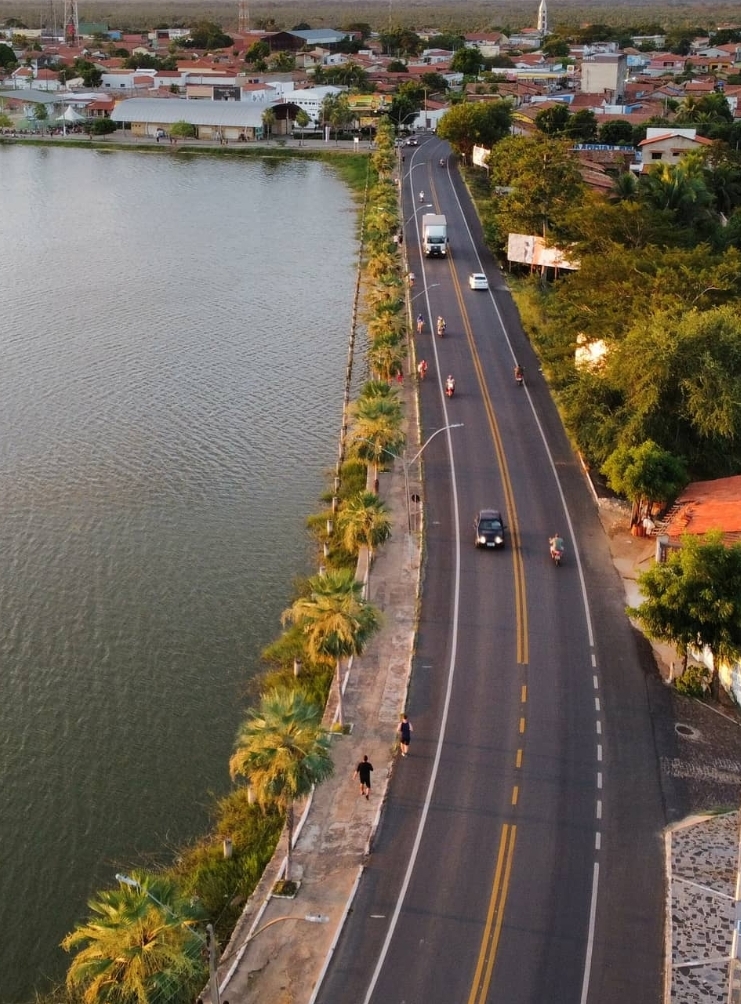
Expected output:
(481, 156)
(530, 250)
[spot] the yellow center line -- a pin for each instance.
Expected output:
(518, 759)
(523, 696)
(519, 570)
(515, 795)
(494, 917)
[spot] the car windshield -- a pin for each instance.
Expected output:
(489, 524)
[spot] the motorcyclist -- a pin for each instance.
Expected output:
(519, 373)
(441, 326)
(421, 196)
(422, 369)
(557, 546)
(420, 324)
(442, 162)
(450, 386)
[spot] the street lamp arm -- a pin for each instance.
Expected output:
(311, 918)
(455, 425)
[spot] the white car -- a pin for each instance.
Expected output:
(477, 280)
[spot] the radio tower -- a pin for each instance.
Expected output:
(244, 17)
(71, 22)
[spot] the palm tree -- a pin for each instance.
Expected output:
(377, 429)
(335, 619)
(385, 358)
(138, 946)
(283, 751)
(363, 521)
(268, 121)
(302, 120)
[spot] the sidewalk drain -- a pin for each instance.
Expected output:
(686, 731)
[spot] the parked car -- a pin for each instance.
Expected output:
(489, 528)
(477, 280)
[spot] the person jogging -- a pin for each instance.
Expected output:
(363, 773)
(405, 734)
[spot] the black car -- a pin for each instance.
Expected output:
(489, 528)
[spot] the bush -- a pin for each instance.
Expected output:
(694, 682)
(103, 127)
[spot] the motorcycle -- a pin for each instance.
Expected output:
(441, 327)
(449, 387)
(519, 376)
(556, 553)
(442, 162)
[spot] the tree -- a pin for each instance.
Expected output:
(582, 126)
(401, 42)
(6, 121)
(283, 751)
(363, 521)
(555, 46)
(553, 121)
(302, 120)
(544, 176)
(397, 66)
(258, 52)
(336, 621)
(283, 62)
(679, 188)
(336, 112)
(40, 114)
(7, 57)
(377, 429)
(102, 127)
(475, 123)
(185, 130)
(694, 599)
(467, 60)
(208, 35)
(434, 83)
(133, 950)
(268, 121)
(618, 132)
(645, 473)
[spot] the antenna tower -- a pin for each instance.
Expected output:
(244, 17)
(71, 22)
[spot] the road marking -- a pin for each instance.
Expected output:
(597, 840)
(599, 779)
(594, 660)
(596, 704)
(523, 694)
(599, 808)
(522, 725)
(599, 752)
(515, 795)
(494, 917)
(595, 682)
(518, 759)
(590, 934)
(378, 916)
(599, 727)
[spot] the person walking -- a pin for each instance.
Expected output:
(405, 734)
(363, 773)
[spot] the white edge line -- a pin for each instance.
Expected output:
(446, 706)
(668, 928)
(590, 935)
(337, 933)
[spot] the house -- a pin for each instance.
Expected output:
(668, 146)
(704, 506)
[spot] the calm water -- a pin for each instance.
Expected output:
(173, 342)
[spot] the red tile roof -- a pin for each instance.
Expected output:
(708, 505)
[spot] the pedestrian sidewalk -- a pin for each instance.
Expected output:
(284, 960)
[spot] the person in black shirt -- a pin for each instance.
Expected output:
(363, 773)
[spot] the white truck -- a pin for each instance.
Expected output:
(434, 235)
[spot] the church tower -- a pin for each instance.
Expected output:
(543, 18)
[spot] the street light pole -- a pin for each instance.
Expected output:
(209, 941)
(406, 464)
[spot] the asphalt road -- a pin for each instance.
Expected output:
(520, 856)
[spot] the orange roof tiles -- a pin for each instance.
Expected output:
(708, 505)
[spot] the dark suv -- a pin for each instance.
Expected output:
(489, 528)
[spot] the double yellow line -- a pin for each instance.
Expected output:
(509, 497)
(494, 917)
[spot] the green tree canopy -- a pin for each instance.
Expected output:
(401, 42)
(475, 123)
(208, 35)
(184, 130)
(468, 61)
(133, 950)
(7, 57)
(617, 132)
(582, 126)
(282, 750)
(553, 121)
(645, 473)
(555, 46)
(257, 52)
(694, 599)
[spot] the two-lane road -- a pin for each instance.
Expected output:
(519, 858)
